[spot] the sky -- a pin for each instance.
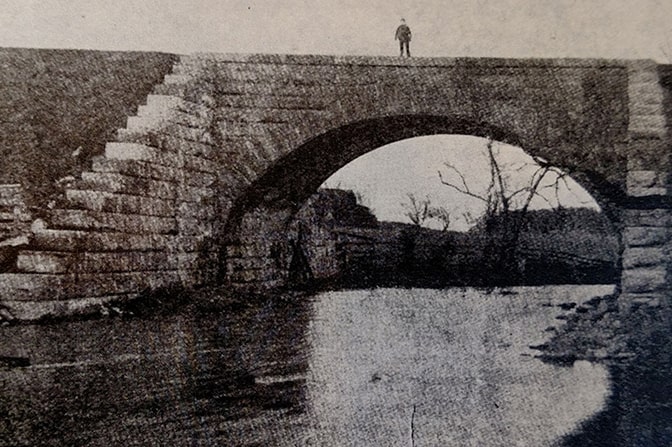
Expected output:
(475, 28)
(412, 167)
(499, 28)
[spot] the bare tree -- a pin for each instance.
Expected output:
(417, 210)
(420, 211)
(505, 207)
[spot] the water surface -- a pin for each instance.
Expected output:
(370, 367)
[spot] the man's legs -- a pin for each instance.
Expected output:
(402, 44)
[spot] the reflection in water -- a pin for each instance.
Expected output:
(178, 380)
(346, 368)
(453, 357)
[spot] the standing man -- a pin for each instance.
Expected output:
(403, 35)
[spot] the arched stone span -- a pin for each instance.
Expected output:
(153, 211)
(296, 176)
(258, 231)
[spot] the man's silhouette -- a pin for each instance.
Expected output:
(403, 35)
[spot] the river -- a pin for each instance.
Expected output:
(380, 367)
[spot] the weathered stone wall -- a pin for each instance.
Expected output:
(648, 211)
(269, 238)
(143, 217)
(15, 218)
(228, 147)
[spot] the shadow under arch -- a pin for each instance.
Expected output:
(290, 181)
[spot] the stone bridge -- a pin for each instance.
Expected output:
(201, 185)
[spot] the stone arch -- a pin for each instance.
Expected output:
(260, 218)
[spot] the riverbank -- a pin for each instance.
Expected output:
(636, 350)
(595, 332)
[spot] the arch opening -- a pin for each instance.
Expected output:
(269, 227)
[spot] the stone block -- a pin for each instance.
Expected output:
(645, 93)
(151, 133)
(154, 171)
(179, 90)
(200, 179)
(49, 287)
(8, 216)
(8, 191)
(143, 152)
(119, 203)
(199, 277)
(197, 211)
(642, 179)
(644, 280)
(87, 262)
(647, 218)
(159, 103)
(177, 79)
(43, 262)
(647, 192)
(123, 223)
(644, 257)
(251, 129)
(195, 243)
(645, 236)
(647, 126)
(627, 301)
(77, 241)
(124, 184)
(199, 164)
(197, 260)
(317, 103)
(643, 73)
(135, 168)
(647, 154)
(172, 141)
(11, 201)
(195, 227)
(135, 151)
(197, 195)
(177, 115)
(146, 123)
(652, 107)
(164, 101)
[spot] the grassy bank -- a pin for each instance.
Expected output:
(56, 103)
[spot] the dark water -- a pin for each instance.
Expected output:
(374, 367)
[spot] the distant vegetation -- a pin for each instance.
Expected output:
(573, 245)
(58, 108)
